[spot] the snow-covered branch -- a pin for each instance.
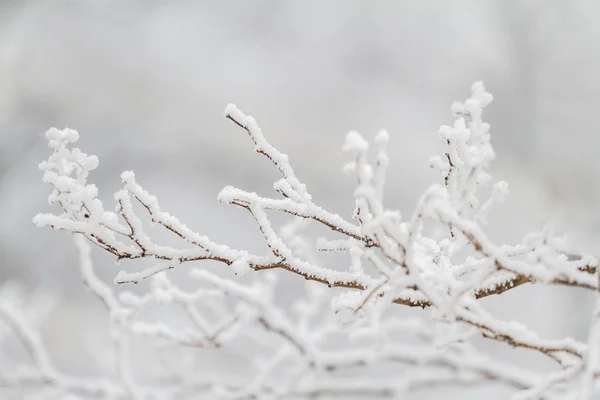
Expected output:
(438, 257)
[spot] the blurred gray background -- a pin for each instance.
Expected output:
(145, 83)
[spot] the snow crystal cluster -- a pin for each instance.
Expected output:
(347, 336)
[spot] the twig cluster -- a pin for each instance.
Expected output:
(439, 258)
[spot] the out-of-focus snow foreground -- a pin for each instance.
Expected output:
(145, 83)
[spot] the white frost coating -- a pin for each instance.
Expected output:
(136, 277)
(382, 161)
(355, 143)
(241, 266)
(356, 262)
(438, 256)
(280, 160)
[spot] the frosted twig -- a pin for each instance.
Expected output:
(440, 258)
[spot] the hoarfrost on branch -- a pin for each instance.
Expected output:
(438, 258)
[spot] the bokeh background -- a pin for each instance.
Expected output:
(145, 83)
